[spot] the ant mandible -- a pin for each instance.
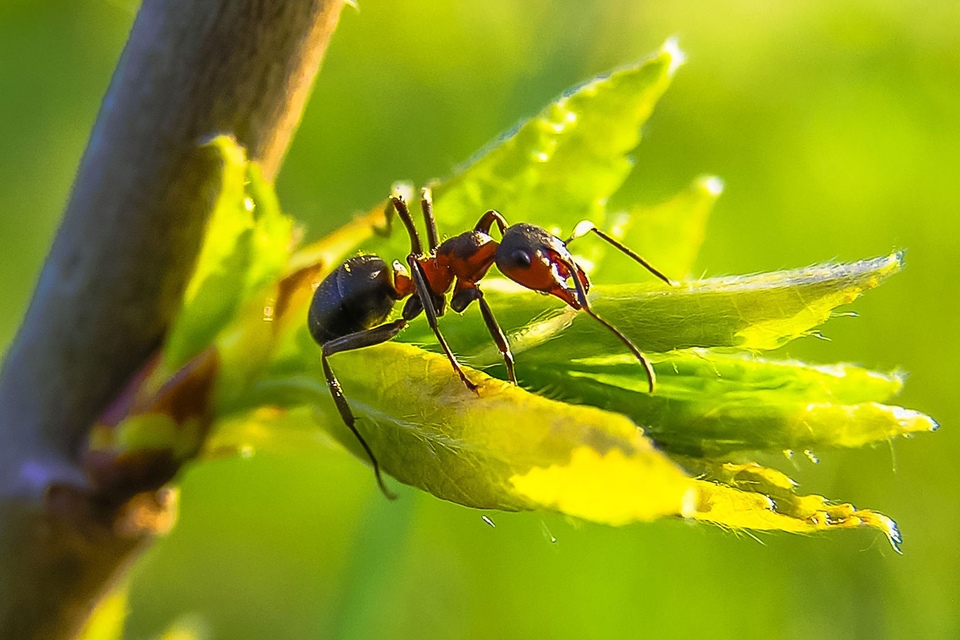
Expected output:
(350, 306)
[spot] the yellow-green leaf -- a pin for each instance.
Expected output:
(247, 245)
(631, 456)
(668, 234)
(762, 311)
(749, 496)
(489, 450)
(562, 165)
(711, 403)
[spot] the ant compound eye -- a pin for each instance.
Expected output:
(521, 258)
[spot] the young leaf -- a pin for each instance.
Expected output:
(669, 234)
(710, 403)
(749, 496)
(248, 243)
(562, 165)
(762, 311)
(632, 456)
(480, 450)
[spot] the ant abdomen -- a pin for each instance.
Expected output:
(357, 295)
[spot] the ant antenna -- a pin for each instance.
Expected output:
(585, 226)
(582, 298)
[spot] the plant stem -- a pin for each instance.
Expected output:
(116, 272)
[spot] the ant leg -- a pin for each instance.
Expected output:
(584, 227)
(349, 342)
(429, 308)
(426, 205)
(462, 299)
(416, 247)
(585, 305)
(501, 340)
(490, 218)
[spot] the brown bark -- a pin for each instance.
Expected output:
(116, 272)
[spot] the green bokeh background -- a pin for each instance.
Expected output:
(836, 127)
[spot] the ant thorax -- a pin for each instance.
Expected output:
(466, 257)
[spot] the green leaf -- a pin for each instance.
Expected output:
(709, 403)
(505, 448)
(762, 311)
(562, 165)
(494, 449)
(749, 496)
(631, 456)
(669, 234)
(272, 237)
(107, 620)
(247, 244)
(213, 293)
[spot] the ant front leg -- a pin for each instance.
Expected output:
(429, 308)
(584, 227)
(349, 342)
(462, 299)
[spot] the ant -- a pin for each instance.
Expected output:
(351, 305)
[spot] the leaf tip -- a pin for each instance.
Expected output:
(899, 256)
(671, 48)
(893, 535)
(911, 421)
(711, 186)
(226, 145)
(885, 524)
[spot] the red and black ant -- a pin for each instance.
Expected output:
(350, 306)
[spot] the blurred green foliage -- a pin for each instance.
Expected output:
(834, 127)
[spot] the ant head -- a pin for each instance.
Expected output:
(538, 260)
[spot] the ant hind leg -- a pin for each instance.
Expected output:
(349, 342)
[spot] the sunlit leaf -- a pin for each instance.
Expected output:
(749, 496)
(213, 293)
(189, 626)
(508, 449)
(762, 311)
(106, 621)
(562, 165)
(492, 450)
(669, 234)
(711, 403)
(582, 435)
(247, 244)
